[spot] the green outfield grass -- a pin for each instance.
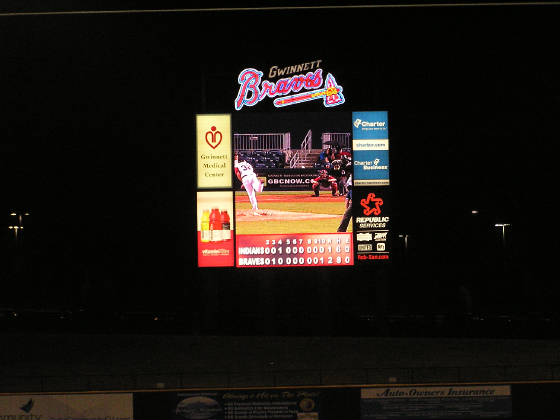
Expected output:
(334, 207)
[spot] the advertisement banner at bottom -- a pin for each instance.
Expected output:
(437, 402)
(68, 407)
(283, 404)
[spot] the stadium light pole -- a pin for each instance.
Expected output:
(17, 224)
(503, 226)
(405, 240)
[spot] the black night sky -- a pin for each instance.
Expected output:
(98, 145)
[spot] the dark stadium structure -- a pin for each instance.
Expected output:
(101, 291)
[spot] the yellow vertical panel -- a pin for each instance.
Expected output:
(213, 150)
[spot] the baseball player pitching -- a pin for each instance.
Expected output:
(245, 173)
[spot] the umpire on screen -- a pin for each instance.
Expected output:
(348, 212)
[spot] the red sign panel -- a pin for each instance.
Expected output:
(295, 250)
(215, 254)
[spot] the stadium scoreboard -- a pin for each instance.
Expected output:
(256, 211)
(302, 249)
(311, 190)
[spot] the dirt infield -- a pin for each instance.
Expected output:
(273, 215)
(279, 215)
(290, 212)
(303, 197)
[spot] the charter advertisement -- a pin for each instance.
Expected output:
(370, 144)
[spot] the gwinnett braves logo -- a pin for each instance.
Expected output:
(371, 205)
(253, 89)
(213, 137)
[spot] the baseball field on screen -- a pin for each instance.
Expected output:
(289, 212)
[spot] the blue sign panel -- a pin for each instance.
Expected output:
(370, 147)
(371, 165)
(370, 125)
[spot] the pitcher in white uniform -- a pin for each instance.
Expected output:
(245, 173)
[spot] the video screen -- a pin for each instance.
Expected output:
(295, 178)
(293, 172)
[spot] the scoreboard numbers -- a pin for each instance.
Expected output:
(301, 250)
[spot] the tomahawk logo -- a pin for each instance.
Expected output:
(371, 205)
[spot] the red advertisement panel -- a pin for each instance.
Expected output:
(215, 254)
(372, 223)
(215, 229)
(295, 250)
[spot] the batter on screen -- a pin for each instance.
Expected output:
(244, 172)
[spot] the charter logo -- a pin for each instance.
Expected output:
(358, 123)
(370, 125)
